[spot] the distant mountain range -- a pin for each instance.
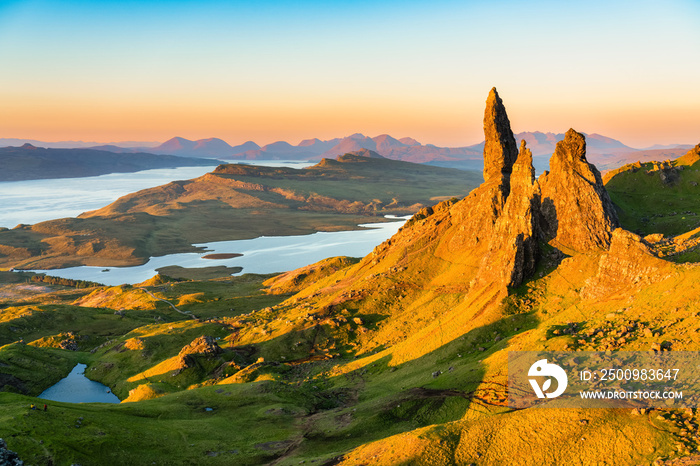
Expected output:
(212, 147)
(646, 155)
(406, 149)
(602, 150)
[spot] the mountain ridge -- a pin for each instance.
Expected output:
(31, 163)
(604, 151)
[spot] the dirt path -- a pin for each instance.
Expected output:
(184, 313)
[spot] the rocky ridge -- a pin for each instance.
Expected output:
(630, 262)
(511, 212)
(478, 247)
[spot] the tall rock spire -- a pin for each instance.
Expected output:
(576, 209)
(513, 248)
(485, 204)
(500, 149)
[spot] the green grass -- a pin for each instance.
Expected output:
(230, 296)
(93, 325)
(349, 365)
(647, 205)
(30, 370)
(173, 430)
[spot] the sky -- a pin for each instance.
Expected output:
(290, 70)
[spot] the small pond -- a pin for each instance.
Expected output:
(76, 388)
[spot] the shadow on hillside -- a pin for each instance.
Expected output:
(377, 399)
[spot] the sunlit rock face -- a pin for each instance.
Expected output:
(576, 209)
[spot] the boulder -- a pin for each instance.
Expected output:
(8, 457)
(203, 345)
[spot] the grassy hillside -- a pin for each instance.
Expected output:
(368, 363)
(658, 197)
(233, 202)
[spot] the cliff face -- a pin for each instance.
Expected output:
(629, 264)
(512, 252)
(576, 209)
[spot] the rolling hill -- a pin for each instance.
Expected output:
(639, 189)
(234, 202)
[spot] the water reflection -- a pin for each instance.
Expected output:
(266, 254)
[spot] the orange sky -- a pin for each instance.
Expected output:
(268, 71)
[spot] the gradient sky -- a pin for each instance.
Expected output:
(271, 70)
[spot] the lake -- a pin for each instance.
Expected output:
(76, 388)
(266, 254)
(39, 200)
(36, 201)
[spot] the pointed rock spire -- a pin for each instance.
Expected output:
(513, 248)
(577, 211)
(500, 149)
(485, 204)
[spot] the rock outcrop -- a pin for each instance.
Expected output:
(577, 212)
(629, 263)
(690, 158)
(68, 341)
(568, 207)
(500, 148)
(513, 249)
(204, 345)
(8, 457)
(485, 204)
(496, 231)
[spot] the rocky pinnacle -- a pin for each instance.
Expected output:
(503, 221)
(576, 209)
(513, 249)
(500, 149)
